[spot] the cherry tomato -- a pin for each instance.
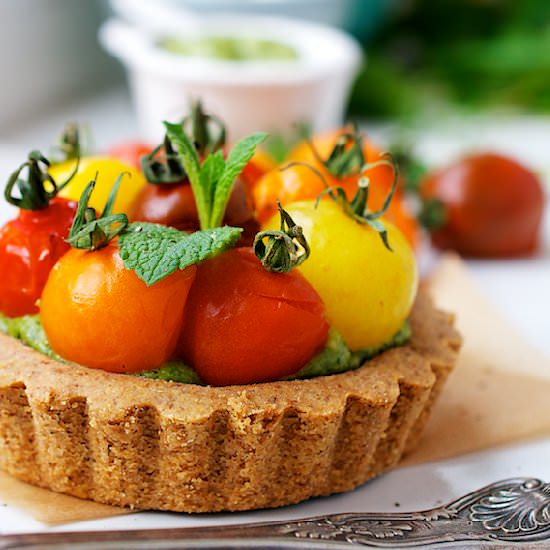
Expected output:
(130, 152)
(108, 169)
(261, 163)
(99, 314)
(244, 324)
(368, 290)
(298, 183)
(174, 205)
(492, 206)
(170, 204)
(29, 247)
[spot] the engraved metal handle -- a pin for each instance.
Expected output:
(512, 511)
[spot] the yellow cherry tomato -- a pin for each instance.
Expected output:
(367, 289)
(108, 169)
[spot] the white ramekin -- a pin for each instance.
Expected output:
(248, 95)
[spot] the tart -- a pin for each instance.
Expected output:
(151, 444)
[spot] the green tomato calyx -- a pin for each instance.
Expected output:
(281, 250)
(346, 157)
(89, 232)
(162, 166)
(38, 188)
(357, 208)
(206, 131)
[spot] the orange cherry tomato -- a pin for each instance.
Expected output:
(29, 247)
(261, 163)
(97, 313)
(492, 206)
(298, 183)
(244, 324)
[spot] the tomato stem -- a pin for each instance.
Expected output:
(88, 232)
(163, 165)
(39, 188)
(207, 130)
(346, 157)
(285, 248)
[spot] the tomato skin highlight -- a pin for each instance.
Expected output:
(493, 206)
(97, 313)
(30, 245)
(244, 324)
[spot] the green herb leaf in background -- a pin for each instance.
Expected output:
(155, 251)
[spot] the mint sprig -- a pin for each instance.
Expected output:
(213, 180)
(155, 251)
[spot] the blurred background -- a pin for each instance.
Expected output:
(425, 62)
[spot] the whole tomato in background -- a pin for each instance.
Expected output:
(32, 243)
(297, 182)
(244, 324)
(484, 205)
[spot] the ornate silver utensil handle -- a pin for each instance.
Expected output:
(504, 514)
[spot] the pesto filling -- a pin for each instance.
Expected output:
(333, 359)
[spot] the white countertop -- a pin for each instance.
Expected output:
(519, 288)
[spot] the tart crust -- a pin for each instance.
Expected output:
(151, 444)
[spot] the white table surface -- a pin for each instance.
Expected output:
(519, 288)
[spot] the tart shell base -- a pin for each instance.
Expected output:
(151, 444)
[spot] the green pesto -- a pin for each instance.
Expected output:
(28, 329)
(173, 371)
(335, 357)
(229, 48)
(401, 337)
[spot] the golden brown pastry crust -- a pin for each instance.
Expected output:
(152, 444)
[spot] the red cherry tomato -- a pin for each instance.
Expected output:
(174, 205)
(130, 152)
(167, 204)
(29, 247)
(244, 324)
(492, 206)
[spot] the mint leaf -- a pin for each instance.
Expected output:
(238, 157)
(211, 182)
(211, 171)
(191, 164)
(155, 251)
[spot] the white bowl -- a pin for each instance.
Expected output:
(248, 95)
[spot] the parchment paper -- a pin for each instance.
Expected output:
(498, 393)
